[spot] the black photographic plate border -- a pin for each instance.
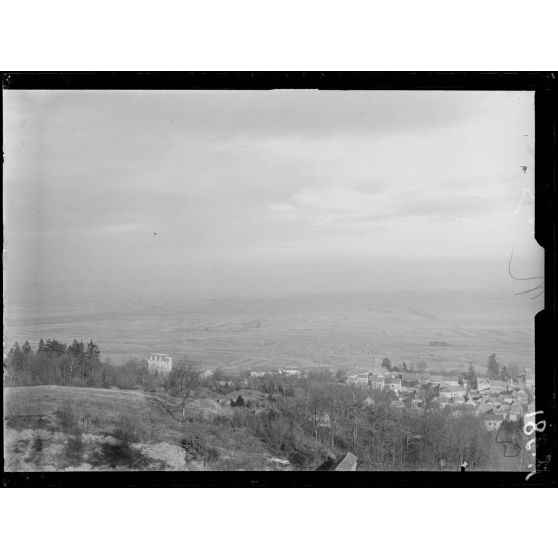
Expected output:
(546, 331)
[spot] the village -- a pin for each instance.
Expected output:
(493, 401)
(382, 417)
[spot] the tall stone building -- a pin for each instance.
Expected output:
(159, 363)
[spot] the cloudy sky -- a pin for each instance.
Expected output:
(273, 191)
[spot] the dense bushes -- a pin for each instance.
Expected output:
(76, 365)
(196, 449)
(334, 417)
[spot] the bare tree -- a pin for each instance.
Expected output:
(184, 378)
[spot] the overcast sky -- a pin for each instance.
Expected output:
(255, 192)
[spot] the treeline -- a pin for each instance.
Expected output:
(76, 364)
(498, 371)
(495, 370)
(421, 366)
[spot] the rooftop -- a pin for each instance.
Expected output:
(344, 463)
(347, 463)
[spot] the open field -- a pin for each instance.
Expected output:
(312, 330)
(50, 428)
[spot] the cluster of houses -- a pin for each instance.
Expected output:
(495, 401)
(292, 372)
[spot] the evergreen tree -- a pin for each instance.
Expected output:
(41, 346)
(92, 351)
(26, 349)
(386, 364)
(493, 367)
(15, 357)
(472, 377)
(77, 349)
(54, 348)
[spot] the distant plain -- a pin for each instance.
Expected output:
(322, 330)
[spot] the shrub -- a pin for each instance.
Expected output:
(125, 435)
(196, 450)
(38, 443)
(131, 431)
(119, 455)
(66, 416)
(239, 402)
(224, 420)
(74, 446)
(127, 432)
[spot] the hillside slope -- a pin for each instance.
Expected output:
(49, 428)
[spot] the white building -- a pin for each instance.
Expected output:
(483, 383)
(290, 372)
(493, 421)
(397, 404)
(368, 402)
(323, 420)
(377, 381)
(436, 379)
(362, 379)
(159, 363)
(358, 379)
(450, 382)
(393, 384)
(448, 392)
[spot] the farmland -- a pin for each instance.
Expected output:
(314, 330)
(73, 427)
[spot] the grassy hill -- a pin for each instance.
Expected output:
(49, 428)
